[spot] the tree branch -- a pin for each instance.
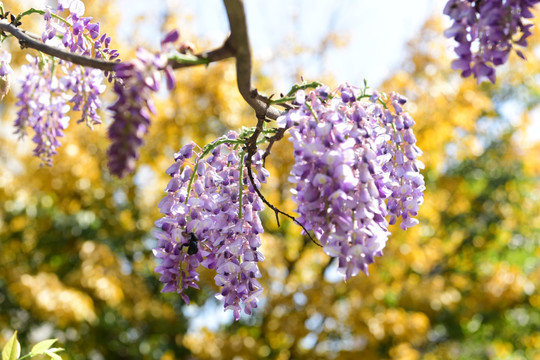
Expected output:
(237, 45)
(240, 42)
(29, 40)
(277, 136)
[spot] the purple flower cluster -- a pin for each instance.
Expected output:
(212, 219)
(398, 157)
(49, 86)
(43, 107)
(486, 31)
(77, 32)
(5, 70)
(86, 85)
(355, 164)
(5, 59)
(136, 81)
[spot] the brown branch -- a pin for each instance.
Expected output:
(29, 40)
(242, 49)
(277, 136)
(237, 45)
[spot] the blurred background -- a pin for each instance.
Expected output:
(75, 242)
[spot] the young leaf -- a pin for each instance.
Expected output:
(12, 349)
(42, 346)
(52, 353)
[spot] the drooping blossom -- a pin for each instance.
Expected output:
(212, 219)
(136, 81)
(86, 85)
(50, 87)
(399, 161)
(486, 32)
(356, 172)
(77, 33)
(355, 166)
(80, 35)
(43, 105)
(5, 70)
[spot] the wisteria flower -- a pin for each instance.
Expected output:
(43, 105)
(5, 70)
(51, 87)
(212, 220)
(355, 166)
(486, 32)
(137, 80)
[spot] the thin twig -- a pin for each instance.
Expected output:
(277, 136)
(27, 40)
(285, 105)
(251, 148)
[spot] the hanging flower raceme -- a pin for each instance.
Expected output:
(79, 35)
(355, 166)
(212, 219)
(42, 106)
(136, 81)
(5, 70)
(486, 31)
(50, 86)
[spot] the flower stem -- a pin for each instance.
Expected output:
(241, 182)
(206, 150)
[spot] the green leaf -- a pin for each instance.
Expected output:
(52, 353)
(12, 349)
(42, 346)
